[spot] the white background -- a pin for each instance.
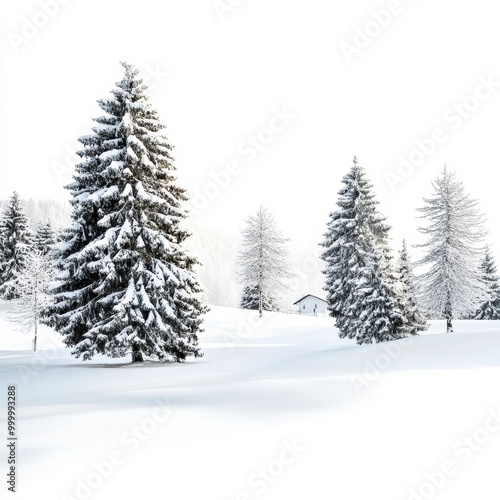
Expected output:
(221, 74)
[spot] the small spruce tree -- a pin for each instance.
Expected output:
(490, 308)
(45, 238)
(16, 240)
(250, 300)
(415, 319)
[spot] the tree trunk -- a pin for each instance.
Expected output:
(136, 355)
(449, 326)
(448, 314)
(34, 340)
(36, 316)
(260, 262)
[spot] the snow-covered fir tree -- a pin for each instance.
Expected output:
(490, 308)
(361, 288)
(15, 242)
(263, 260)
(31, 287)
(45, 238)
(452, 285)
(125, 282)
(251, 300)
(415, 319)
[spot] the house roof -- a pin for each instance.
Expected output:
(309, 295)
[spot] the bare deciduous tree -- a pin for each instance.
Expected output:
(31, 286)
(452, 285)
(263, 260)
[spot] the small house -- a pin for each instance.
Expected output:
(311, 305)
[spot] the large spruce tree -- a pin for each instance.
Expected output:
(452, 285)
(360, 282)
(126, 285)
(15, 242)
(490, 308)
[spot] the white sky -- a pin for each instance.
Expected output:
(225, 78)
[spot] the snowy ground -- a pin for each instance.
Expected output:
(278, 410)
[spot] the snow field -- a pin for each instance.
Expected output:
(278, 408)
